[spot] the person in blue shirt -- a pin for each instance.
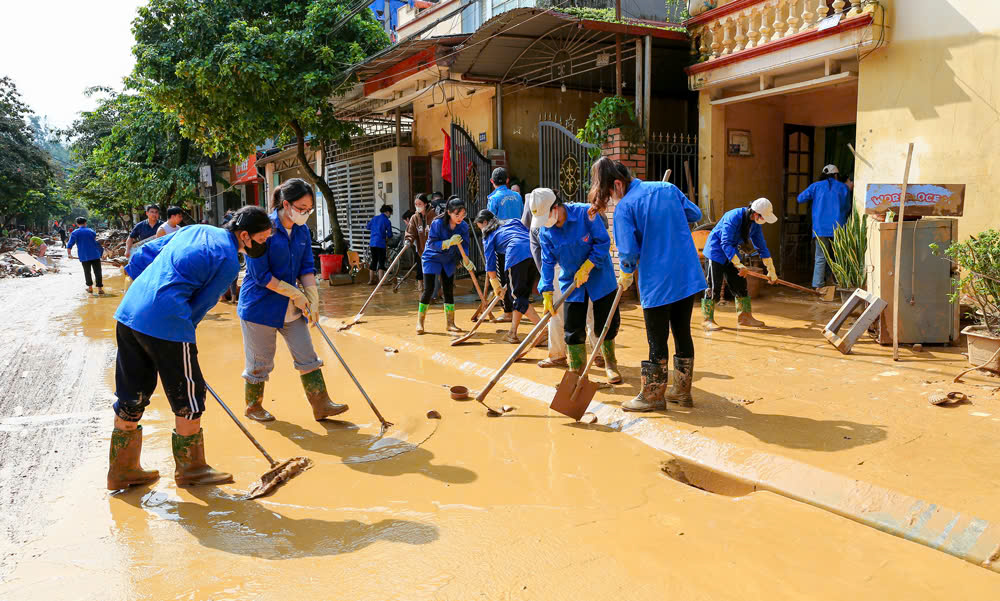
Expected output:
(176, 280)
(441, 256)
(271, 303)
(578, 241)
(654, 239)
(381, 230)
(831, 206)
(90, 253)
(510, 239)
(505, 204)
(736, 227)
(144, 230)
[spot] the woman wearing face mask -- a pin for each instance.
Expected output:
(271, 302)
(652, 236)
(576, 239)
(177, 279)
(440, 257)
(735, 228)
(416, 233)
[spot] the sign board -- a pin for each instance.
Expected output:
(245, 172)
(206, 175)
(925, 200)
(482, 136)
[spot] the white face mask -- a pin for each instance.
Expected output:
(297, 217)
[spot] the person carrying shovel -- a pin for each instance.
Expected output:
(440, 256)
(271, 303)
(510, 238)
(577, 240)
(735, 228)
(653, 238)
(176, 280)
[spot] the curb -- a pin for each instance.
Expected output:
(965, 536)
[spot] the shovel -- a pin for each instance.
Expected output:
(482, 318)
(521, 349)
(575, 392)
(280, 472)
(826, 292)
(357, 317)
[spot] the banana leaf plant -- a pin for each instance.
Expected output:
(846, 258)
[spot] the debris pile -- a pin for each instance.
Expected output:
(113, 242)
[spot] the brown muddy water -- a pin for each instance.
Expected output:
(527, 506)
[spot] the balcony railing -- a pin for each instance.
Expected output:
(739, 25)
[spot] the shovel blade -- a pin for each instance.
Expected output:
(570, 404)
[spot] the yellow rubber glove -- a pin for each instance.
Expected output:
(469, 266)
(738, 264)
(298, 299)
(772, 273)
(312, 295)
(583, 274)
(547, 303)
(453, 241)
(625, 280)
(495, 283)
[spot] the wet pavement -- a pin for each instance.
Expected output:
(527, 506)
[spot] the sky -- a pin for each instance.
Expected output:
(54, 49)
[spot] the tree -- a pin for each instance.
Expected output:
(238, 72)
(26, 170)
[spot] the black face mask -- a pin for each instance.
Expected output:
(255, 249)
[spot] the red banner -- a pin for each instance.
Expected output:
(245, 172)
(446, 159)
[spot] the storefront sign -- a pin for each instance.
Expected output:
(245, 172)
(939, 200)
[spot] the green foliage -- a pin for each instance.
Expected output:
(979, 259)
(591, 14)
(238, 72)
(850, 241)
(607, 114)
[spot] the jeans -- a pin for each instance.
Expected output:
(820, 268)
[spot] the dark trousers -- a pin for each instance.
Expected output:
(378, 258)
(661, 320)
(575, 318)
(508, 298)
(447, 285)
(719, 271)
(522, 278)
(93, 267)
(141, 359)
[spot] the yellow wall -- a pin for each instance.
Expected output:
(934, 84)
(477, 112)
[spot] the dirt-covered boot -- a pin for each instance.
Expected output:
(708, 315)
(123, 460)
(421, 316)
(654, 382)
(576, 355)
(449, 315)
(610, 362)
(680, 391)
(315, 387)
(189, 461)
(745, 317)
(255, 403)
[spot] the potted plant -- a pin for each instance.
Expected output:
(979, 282)
(611, 112)
(846, 257)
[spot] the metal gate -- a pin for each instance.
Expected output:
(564, 162)
(670, 151)
(353, 185)
(470, 181)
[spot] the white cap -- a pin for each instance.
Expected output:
(540, 201)
(830, 169)
(762, 207)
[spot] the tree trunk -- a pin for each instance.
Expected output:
(339, 244)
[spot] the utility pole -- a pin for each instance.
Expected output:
(388, 19)
(618, 50)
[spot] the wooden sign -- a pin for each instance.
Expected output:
(926, 200)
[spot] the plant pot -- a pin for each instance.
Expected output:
(982, 346)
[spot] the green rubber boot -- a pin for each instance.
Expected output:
(708, 313)
(315, 387)
(421, 316)
(124, 469)
(189, 459)
(449, 314)
(745, 316)
(611, 362)
(576, 354)
(255, 403)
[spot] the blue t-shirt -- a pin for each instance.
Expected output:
(511, 239)
(505, 203)
(85, 240)
(177, 279)
(143, 230)
(580, 238)
(652, 235)
(381, 230)
(831, 205)
(435, 260)
(287, 258)
(725, 237)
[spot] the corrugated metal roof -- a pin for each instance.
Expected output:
(377, 63)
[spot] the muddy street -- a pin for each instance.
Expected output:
(527, 506)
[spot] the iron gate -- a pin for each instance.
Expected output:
(564, 162)
(470, 180)
(669, 151)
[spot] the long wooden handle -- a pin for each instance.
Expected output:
(600, 341)
(761, 276)
(524, 344)
(475, 280)
(481, 319)
(399, 255)
(896, 283)
(242, 427)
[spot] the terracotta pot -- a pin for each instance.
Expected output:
(982, 346)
